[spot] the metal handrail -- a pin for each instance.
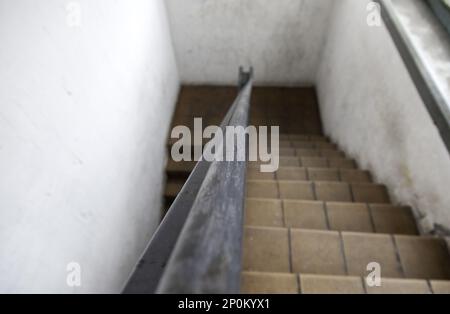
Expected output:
(430, 92)
(197, 247)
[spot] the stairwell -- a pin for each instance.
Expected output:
(319, 223)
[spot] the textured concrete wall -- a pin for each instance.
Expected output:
(85, 106)
(282, 39)
(371, 107)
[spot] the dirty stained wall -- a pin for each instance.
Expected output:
(281, 39)
(372, 109)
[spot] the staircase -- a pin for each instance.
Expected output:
(316, 224)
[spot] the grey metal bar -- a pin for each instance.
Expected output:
(150, 268)
(207, 257)
(429, 92)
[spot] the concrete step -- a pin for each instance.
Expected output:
(182, 167)
(318, 215)
(303, 137)
(288, 250)
(268, 283)
(314, 189)
(319, 191)
(310, 174)
(312, 162)
(173, 187)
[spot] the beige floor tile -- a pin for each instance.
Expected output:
(333, 191)
(296, 190)
(308, 153)
(355, 176)
(285, 143)
(304, 214)
(268, 283)
(318, 138)
(262, 189)
(255, 173)
(423, 257)
(323, 174)
(303, 145)
(320, 284)
(331, 153)
(400, 286)
(298, 137)
(363, 248)
(369, 193)
(266, 212)
(266, 250)
(324, 145)
(393, 220)
(287, 152)
(316, 252)
(349, 217)
(440, 286)
(292, 173)
(289, 162)
(314, 162)
(341, 163)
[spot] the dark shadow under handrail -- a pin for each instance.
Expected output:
(197, 247)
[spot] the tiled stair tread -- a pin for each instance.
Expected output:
(315, 190)
(310, 174)
(314, 162)
(289, 140)
(173, 188)
(303, 137)
(306, 145)
(440, 286)
(359, 217)
(344, 253)
(182, 166)
(289, 172)
(310, 152)
(319, 159)
(269, 283)
(309, 190)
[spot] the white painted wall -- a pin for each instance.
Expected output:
(371, 108)
(84, 113)
(282, 39)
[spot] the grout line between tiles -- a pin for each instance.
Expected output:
(278, 189)
(343, 252)
(430, 287)
(350, 186)
(363, 280)
(290, 250)
(313, 185)
(299, 284)
(283, 214)
(372, 221)
(327, 217)
(397, 255)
